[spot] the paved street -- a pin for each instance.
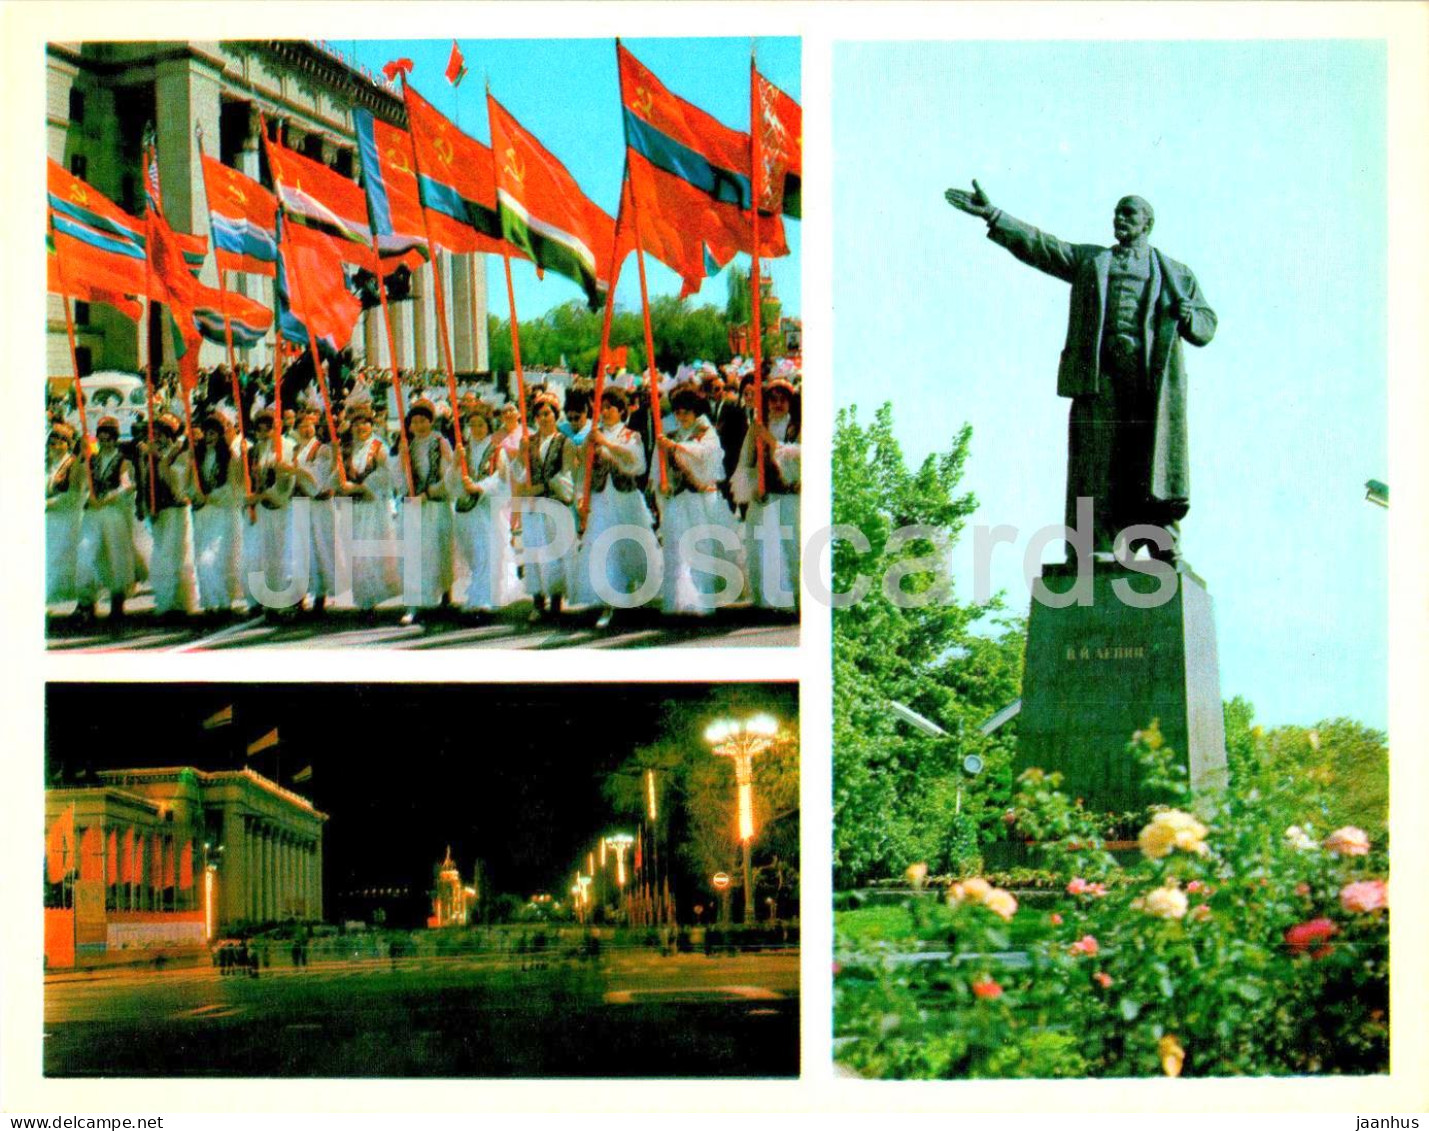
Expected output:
(348, 628)
(631, 1013)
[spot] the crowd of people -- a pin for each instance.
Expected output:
(237, 514)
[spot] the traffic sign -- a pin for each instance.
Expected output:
(720, 880)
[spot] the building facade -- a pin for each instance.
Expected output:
(175, 857)
(101, 97)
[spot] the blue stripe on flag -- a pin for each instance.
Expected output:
(379, 209)
(679, 160)
(242, 237)
(98, 239)
(95, 220)
(210, 324)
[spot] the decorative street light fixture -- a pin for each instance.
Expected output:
(742, 742)
(619, 843)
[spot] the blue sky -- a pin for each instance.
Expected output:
(567, 92)
(1266, 164)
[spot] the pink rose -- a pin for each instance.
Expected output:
(1056, 919)
(1365, 895)
(1103, 979)
(1087, 944)
(1348, 841)
(1302, 888)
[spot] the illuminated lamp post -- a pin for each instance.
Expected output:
(619, 843)
(742, 742)
(210, 894)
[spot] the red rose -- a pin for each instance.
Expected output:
(987, 990)
(1314, 933)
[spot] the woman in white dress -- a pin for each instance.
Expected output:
(106, 539)
(218, 517)
(171, 562)
(615, 500)
(431, 457)
(552, 463)
(483, 519)
(65, 492)
(271, 471)
(772, 558)
(376, 577)
(313, 481)
(691, 502)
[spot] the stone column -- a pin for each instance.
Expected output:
(258, 287)
(318, 876)
(188, 90)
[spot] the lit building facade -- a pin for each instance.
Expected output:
(175, 857)
(452, 900)
(101, 96)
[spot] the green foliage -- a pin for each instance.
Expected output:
(738, 307)
(698, 799)
(1193, 963)
(896, 792)
(681, 330)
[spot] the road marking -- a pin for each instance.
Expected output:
(744, 993)
(209, 1012)
(213, 637)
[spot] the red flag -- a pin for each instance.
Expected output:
(186, 866)
(321, 300)
(456, 180)
(543, 211)
(98, 246)
(781, 140)
(323, 200)
(91, 854)
(456, 66)
(61, 857)
(242, 219)
(324, 217)
(691, 180)
(111, 858)
(397, 67)
(389, 179)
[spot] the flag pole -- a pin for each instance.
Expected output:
(656, 428)
(756, 290)
(652, 373)
(515, 325)
(149, 359)
(232, 368)
(599, 386)
(79, 396)
(442, 337)
(397, 380)
(276, 167)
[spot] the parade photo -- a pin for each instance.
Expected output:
(423, 344)
(1111, 760)
(555, 880)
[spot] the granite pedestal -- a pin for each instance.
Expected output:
(1097, 672)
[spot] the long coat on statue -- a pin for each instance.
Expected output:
(1086, 267)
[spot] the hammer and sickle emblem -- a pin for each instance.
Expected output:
(234, 191)
(444, 150)
(398, 160)
(644, 102)
(77, 193)
(515, 167)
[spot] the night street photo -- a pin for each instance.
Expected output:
(415, 880)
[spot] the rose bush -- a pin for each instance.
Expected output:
(1222, 947)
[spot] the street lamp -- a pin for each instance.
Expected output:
(741, 742)
(210, 883)
(619, 843)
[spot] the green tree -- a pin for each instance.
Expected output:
(738, 307)
(697, 789)
(908, 639)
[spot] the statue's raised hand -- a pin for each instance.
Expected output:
(974, 203)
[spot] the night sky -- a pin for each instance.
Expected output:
(507, 773)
